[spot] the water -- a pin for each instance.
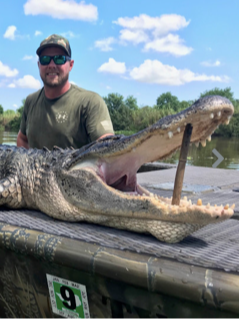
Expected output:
(9, 138)
(201, 156)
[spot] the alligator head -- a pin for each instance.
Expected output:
(98, 183)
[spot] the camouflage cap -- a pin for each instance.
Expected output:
(55, 40)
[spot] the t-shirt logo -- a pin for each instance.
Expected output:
(61, 117)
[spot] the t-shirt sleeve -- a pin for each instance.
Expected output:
(23, 125)
(98, 121)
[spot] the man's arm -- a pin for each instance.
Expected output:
(22, 140)
(105, 135)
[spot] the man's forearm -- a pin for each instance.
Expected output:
(22, 140)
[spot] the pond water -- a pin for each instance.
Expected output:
(201, 156)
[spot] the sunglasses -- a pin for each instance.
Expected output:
(58, 59)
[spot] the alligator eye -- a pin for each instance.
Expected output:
(217, 217)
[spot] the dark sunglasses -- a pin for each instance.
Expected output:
(58, 59)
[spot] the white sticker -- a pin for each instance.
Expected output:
(107, 125)
(68, 298)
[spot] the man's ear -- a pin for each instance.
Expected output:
(71, 64)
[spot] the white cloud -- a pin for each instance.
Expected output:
(153, 71)
(60, 9)
(105, 44)
(108, 87)
(27, 82)
(15, 106)
(154, 32)
(27, 57)
(159, 25)
(135, 36)
(113, 67)
(209, 63)
(171, 44)
(6, 71)
(10, 32)
(12, 85)
(37, 33)
(70, 34)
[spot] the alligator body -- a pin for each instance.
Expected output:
(97, 183)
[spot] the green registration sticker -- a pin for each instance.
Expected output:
(68, 298)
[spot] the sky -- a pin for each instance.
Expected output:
(135, 47)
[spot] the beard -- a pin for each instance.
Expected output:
(60, 82)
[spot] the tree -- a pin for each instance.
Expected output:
(114, 101)
(222, 92)
(1, 109)
(120, 110)
(131, 103)
(9, 112)
(20, 109)
(14, 124)
(167, 101)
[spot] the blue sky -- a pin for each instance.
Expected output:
(135, 47)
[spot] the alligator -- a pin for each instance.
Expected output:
(98, 182)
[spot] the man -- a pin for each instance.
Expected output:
(61, 113)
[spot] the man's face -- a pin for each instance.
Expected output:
(54, 75)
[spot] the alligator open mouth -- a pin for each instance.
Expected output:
(110, 169)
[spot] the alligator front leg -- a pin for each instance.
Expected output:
(11, 192)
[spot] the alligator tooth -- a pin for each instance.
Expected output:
(197, 144)
(204, 143)
(151, 195)
(233, 206)
(190, 202)
(227, 120)
(199, 202)
(227, 206)
(208, 205)
(178, 129)
(219, 114)
(185, 198)
(170, 134)
(211, 116)
(209, 138)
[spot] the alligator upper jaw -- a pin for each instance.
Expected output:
(118, 169)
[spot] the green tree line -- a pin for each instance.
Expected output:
(128, 117)
(10, 120)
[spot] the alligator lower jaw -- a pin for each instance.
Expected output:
(155, 215)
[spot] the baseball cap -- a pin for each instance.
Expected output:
(55, 40)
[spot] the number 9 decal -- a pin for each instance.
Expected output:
(68, 295)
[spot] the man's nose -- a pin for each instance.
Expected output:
(52, 63)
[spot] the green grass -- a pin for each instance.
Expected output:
(127, 133)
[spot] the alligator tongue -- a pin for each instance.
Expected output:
(125, 183)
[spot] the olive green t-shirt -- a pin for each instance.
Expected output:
(76, 118)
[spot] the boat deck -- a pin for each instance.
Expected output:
(203, 268)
